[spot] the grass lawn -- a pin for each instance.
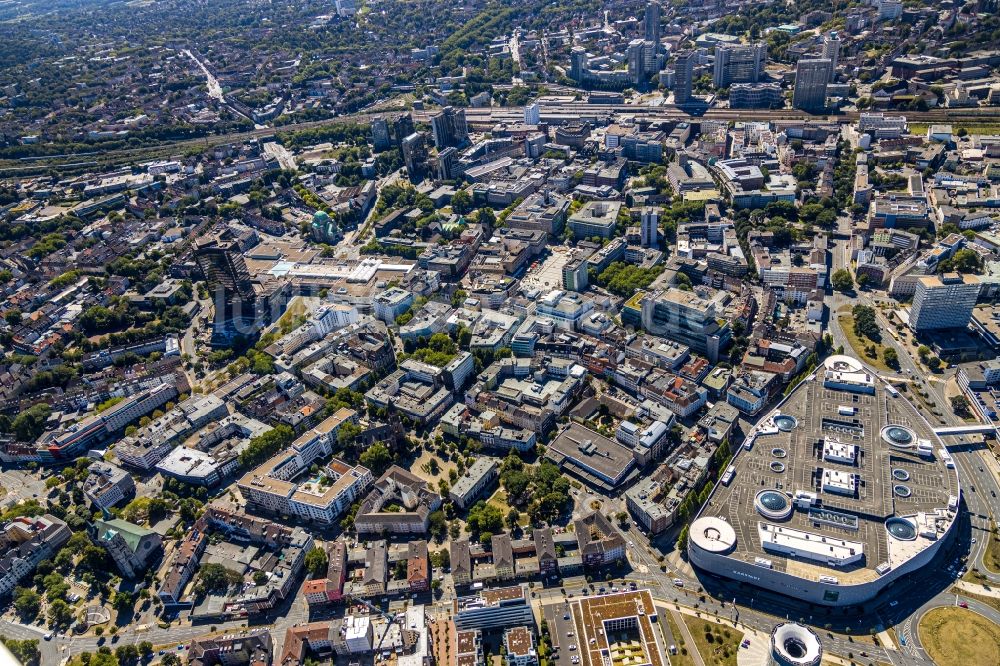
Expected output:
(972, 127)
(991, 558)
(422, 467)
(719, 645)
(958, 637)
(499, 500)
(683, 657)
(858, 345)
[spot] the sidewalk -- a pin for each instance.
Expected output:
(974, 588)
(688, 638)
(885, 638)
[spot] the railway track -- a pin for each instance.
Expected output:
(479, 116)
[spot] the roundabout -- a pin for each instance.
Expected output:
(955, 636)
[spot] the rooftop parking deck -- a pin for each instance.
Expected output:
(789, 479)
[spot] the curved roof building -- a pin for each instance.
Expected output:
(841, 490)
(793, 644)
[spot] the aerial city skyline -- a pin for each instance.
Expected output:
(506, 333)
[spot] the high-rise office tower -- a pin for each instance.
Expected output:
(651, 23)
(831, 51)
(449, 127)
(641, 61)
(224, 268)
(447, 160)
(648, 220)
(811, 78)
(232, 291)
(578, 64)
(532, 114)
(683, 75)
(381, 139)
(943, 301)
(402, 127)
(738, 63)
(414, 150)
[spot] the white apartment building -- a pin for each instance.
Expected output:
(943, 301)
(274, 486)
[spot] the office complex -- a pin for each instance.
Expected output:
(943, 301)
(575, 273)
(651, 23)
(415, 154)
(649, 218)
(283, 485)
(831, 51)
(578, 64)
(497, 608)
(641, 55)
(755, 96)
(402, 127)
(381, 139)
(237, 308)
(107, 485)
(619, 628)
(449, 128)
(683, 77)
(811, 78)
(596, 218)
(834, 496)
(738, 63)
(532, 114)
(685, 317)
(99, 428)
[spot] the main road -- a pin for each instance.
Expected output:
(61, 646)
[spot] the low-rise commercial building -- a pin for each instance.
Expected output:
(26, 541)
(107, 485)
(476, 481)
(399, 503)
(494, 609)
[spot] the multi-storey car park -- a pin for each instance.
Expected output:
(841, 490)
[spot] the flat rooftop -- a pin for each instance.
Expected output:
(619, 627)
(823, 501)
(592, 455)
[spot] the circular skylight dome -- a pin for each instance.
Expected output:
(901, 529)
(795, 645)
(785, 423)
(773, 504)
(899, 436)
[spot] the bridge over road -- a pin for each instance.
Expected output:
(970, 429)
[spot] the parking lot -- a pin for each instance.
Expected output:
(562, 631)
